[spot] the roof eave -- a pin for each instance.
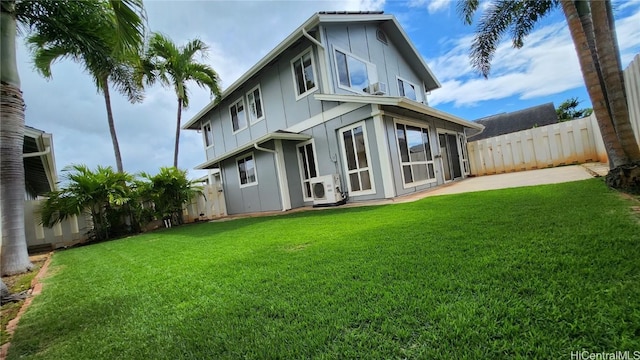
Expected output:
(400, 102)
(267, 137)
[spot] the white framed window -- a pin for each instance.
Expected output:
(354, 73)
(308, 167)
(416, 158)
(207, 134)
(304, 74)
(254, 103)
(247, 170)
(238, 115)
(409, 90)
(356, 159)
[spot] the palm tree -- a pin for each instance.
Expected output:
(169, 190)
(174, 66)
(63, 17)
(99, 192)
(105, 59)
(599, 61)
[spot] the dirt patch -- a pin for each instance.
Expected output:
(28, 282)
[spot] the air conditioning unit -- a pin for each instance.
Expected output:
(378, 88)
(326, 190)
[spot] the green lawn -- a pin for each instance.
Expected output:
(533, 272)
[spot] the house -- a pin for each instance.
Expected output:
(506, 123)
(339, 108)
(39, 163)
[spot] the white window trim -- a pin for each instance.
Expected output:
(401, 163)
(251, 121)
(245, 115)
(367, 153)
(301, 166)
(313, 69)
(204, 135)
(371, 70)
(418, 89)
(255, 167)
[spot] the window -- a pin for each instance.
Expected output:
(352, 72)
(238, 116)
(356, 158)
(254, 102)
(247, 171)
(408, 90)
(304, 74)
(207, 134)
(308, 168)
(380, 35)
(416, 160)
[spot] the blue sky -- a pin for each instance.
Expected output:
(239, 33)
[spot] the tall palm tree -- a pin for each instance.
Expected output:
(174, 66)
(599, 61)
(106, 61)
(62, 17)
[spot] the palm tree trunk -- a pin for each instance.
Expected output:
(580, 36)
(609, 59)
(14, 257)
(112, 126)
(175, 152)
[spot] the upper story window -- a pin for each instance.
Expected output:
(353, 73)
(254, 102)
(304, 74)
(238, 115)
(409, 90)
(207, 134)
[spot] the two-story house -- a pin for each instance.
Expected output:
(339, 106)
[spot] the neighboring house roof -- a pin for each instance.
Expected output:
(39, 161)
(389, 24)
(524, 119)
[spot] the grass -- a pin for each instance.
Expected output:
(16, 284)
(533, 272)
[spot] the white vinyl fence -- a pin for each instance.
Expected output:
(632, 85)
(571, 142)
(76, 229)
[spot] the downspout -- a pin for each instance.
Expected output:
(312, 39)
(282, 184)
(39, 153)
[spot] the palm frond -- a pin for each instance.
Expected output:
(466, 9)
(528, 14)
(129, 19)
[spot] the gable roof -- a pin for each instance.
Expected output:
(524, 119)
(389, 24)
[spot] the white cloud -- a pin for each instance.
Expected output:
(433, 6)
(547, 64)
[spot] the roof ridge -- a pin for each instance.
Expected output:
(378, 12)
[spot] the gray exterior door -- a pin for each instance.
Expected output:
(450, 156)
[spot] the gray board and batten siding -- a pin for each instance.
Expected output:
(281, 109)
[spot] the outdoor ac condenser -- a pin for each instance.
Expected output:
(326, 190)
